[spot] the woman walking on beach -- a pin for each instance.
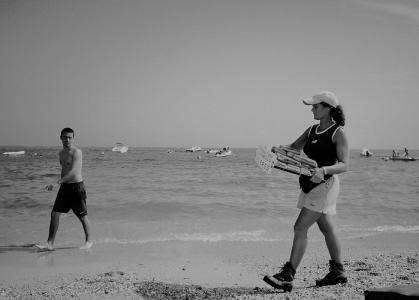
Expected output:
(325, 143)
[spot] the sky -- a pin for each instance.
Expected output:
(213, 73)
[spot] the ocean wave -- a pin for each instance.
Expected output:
(212, 237)
(381, 228)
(395, 228)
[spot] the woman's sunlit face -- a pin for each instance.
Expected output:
(320, 111)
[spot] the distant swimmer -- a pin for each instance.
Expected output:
(72, 193)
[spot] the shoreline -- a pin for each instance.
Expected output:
(195, 269)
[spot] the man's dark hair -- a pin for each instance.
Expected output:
(67, 130)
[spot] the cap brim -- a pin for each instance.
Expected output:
(309, 101)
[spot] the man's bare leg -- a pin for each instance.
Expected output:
(53, 228)
(86, 227)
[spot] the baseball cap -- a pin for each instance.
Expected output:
(325, 96)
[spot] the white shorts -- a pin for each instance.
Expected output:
(322, 198)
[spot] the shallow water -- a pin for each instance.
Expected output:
(148, 195)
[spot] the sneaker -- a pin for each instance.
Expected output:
(336, 275)
(282, 280)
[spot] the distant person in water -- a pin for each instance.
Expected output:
(72, 193)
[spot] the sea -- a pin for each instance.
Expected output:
(152, 195)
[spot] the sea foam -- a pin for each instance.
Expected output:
(235, 236)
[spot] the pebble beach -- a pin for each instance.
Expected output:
(207, 271)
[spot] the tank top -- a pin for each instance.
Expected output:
(320, 146)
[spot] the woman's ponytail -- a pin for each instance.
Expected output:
(336, 113)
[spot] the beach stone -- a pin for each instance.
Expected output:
(412, 260)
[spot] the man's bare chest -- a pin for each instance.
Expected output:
(66, 161)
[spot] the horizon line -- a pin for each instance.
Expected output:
(181, 147)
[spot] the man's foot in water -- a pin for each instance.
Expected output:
(45, 247)
(86, 246)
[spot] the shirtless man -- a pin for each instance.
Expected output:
(72, 194)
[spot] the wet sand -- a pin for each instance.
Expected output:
(202, 270)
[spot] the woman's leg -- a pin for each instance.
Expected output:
(304, 221)
(336, 270)
(283, 280)
(325, 223)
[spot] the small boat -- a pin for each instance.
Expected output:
(223, 153)
(14, 153)
(366, 153)
(194, 149)
(401, 158)
(120, 147)
(212, 151)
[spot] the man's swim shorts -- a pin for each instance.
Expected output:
(71, 196)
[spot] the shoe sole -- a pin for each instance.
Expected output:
(332, 282)
(287, 287)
